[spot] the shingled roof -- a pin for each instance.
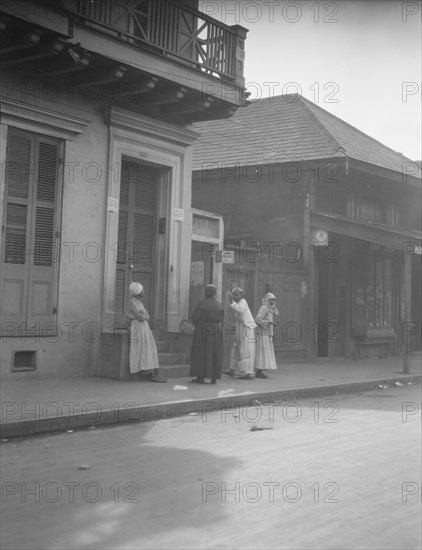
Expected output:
(287, 128)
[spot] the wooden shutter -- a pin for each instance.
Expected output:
(29, 253)
(143, 232)
(18, 195)
(45, 254)
(136, 235)
(121, 286)
(121, 268)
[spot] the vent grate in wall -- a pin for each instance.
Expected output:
(24, 360)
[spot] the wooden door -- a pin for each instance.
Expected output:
(332, 308)
(201, 273)
(136, 256)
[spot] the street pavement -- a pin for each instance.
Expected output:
(336, 472)
(31, 405)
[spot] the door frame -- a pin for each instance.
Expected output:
(165, 146)
(158, 252)
(216, 242)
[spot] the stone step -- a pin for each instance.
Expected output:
(164, 346)
(175, 371)
(161, 335)
(170, 358)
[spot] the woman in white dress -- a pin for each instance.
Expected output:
(243, 351)
(143, 356)
(265, 357)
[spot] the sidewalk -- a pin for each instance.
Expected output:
(44, 405)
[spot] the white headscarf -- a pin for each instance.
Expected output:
(135, 289)
(266, 302)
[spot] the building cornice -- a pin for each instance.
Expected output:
(15, 113)
(119, 118)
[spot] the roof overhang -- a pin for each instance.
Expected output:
(399, 239)
(409, 174)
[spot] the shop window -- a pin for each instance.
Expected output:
(329, 199)
(374, 210)
(410, 215)
(379, 291)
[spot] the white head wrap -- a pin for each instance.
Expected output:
(135, 289)
(266, 302)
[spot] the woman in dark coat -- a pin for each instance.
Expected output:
(207, 346)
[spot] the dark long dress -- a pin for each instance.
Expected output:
(207, 345)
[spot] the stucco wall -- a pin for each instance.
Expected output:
(72, 352)
(89, 226)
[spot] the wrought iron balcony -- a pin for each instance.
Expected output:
(168, 28)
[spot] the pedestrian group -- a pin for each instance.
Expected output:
(253, 348)
(252, 352)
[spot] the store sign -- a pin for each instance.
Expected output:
(197, 273)
(178, 214)
(225, 257)
(320, 237)
(112, 204)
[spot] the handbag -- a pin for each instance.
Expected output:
(186, 327)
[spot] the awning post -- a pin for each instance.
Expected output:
(407, 259)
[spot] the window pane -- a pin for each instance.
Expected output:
(387, 292)
(379, 292)
(370, 293)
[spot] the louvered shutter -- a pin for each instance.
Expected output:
(121, 286)
(136, 236)
(144, 233)
(31, 219)
(45, 254)
(143, 228)
(15, 253)
(121, 268)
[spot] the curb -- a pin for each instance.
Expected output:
(178, 408)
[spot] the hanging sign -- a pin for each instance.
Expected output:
(225, 257)
(197, 272)
(320, 237)
(112, 204)
(177, 214)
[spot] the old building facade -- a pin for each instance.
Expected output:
(323, 215)
(97, 105)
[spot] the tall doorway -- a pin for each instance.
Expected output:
(331, 319)
(136, 246)
(201, 273)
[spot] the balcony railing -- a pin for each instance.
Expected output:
(169, 28)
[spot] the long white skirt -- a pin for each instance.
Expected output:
(265, 357)
(143, 351)
(243, 353)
